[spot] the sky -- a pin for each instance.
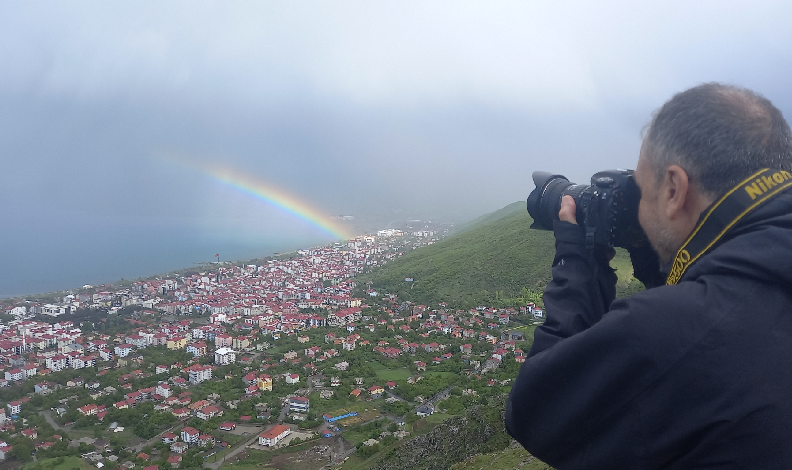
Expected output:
(118, 118)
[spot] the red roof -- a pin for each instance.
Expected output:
(274, 432)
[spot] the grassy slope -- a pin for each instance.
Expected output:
(495, 257)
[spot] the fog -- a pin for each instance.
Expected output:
(381, 109)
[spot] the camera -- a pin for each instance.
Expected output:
(607, 209)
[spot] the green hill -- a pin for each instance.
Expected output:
(495, 260)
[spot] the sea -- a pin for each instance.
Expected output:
(36, 262)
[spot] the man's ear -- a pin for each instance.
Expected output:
(676, 187)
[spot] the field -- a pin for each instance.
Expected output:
(394, 374)
(59, 463)
(365, 412)
(385, 373)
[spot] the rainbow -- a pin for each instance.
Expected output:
(276, 197)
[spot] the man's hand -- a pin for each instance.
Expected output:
(568, 213)
(568, 210)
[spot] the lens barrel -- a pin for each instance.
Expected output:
(544, 202)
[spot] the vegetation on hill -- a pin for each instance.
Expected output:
(496, 260)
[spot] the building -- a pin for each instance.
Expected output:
(189, 435)
(264, 382)
(299, 404)
(14, 408)
(224, 356)
(199, 374)
(208, 412)
(273, 436)
(163, 390)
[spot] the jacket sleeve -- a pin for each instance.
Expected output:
(582, 289)
(575, 380)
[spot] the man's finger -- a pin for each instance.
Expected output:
(568, 210)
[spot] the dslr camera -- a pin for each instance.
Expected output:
(607, 209)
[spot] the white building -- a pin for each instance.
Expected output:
(123, 350)
(54, 310)
(163, 390)
(271, 437)
(224, 356)
(200, 374)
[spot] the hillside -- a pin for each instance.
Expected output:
(495, 260)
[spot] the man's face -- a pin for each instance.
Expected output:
(651, 215)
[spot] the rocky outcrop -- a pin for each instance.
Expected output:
(479, 430)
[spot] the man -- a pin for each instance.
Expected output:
(696, 373)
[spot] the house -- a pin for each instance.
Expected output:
(43, 388)
(161, 369)
(424, 411)
(169, 438)
(31, 432)
(207, 412)
(274, 435)
(175, 460)
(227, 426)
(180, 447)
(376, 391)
(89, 410)
(4, 450)
(292, 378)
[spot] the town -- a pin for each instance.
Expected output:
(247, 362)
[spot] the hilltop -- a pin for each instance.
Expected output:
(494, 260)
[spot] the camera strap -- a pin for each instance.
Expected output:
(725, 213)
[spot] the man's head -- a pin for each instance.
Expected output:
(699, 145)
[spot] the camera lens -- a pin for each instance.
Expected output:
(544, 202)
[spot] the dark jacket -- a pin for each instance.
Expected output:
(694, 375)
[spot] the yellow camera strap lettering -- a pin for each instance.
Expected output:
(725, 213)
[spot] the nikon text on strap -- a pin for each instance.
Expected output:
(725, 213)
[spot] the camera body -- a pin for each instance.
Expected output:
(607, 209)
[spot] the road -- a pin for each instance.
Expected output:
(216, 465)
(438, 396)
(154, 440)
(48, 416)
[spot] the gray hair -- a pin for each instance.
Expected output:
(720, 135)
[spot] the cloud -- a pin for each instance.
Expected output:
(359, 107)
